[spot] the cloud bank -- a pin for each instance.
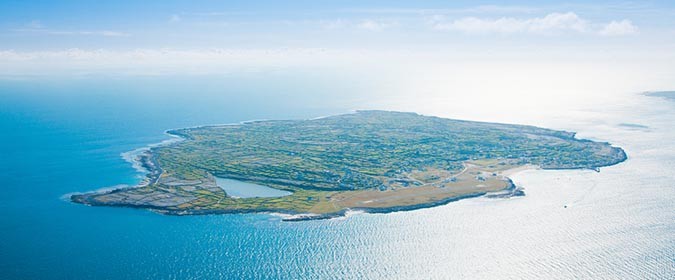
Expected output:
(549, 24)
(374, 25)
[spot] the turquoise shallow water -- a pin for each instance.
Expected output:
(63, 137)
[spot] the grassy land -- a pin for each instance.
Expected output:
(370, 159)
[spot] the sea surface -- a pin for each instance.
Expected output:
(64, 136)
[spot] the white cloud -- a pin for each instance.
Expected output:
(374, 25)
(553, 22)
(365, 24)
(42, 30)
(333, 24)
(144, 61)
(110, 33)
(481, 9)
(619, 28)
(36, 27)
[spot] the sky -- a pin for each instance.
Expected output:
(81, 28)
(519, 47)
(50, 25)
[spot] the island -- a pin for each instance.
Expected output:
(664, 94)
(370, 161)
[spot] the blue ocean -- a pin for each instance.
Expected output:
(61, 136)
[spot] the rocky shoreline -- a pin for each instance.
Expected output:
(166, 192)
(289, 216)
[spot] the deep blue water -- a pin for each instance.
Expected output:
(63, 136)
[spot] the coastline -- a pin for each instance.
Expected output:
(290, 216)
(510, 190)
(143, 160)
